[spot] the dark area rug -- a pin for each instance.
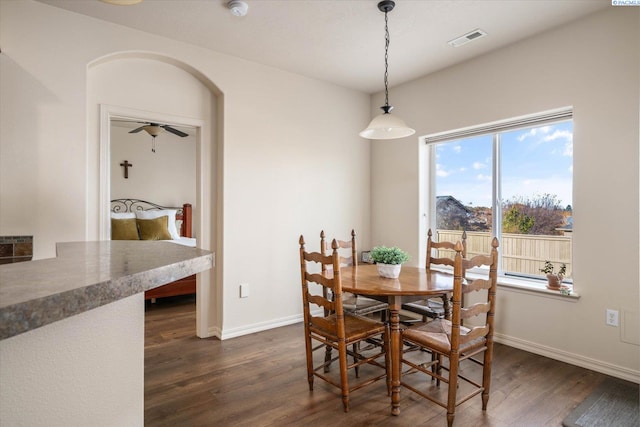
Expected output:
(614, 403)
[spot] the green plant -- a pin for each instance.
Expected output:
(548, 268)
(385, 255)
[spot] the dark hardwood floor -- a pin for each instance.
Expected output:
(260, 380)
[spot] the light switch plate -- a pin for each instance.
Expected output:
(244, 290)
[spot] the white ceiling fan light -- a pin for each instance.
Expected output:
(238, 7)
(153, 130)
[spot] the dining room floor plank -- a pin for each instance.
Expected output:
(260, 380)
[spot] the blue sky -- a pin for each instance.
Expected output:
(535, 161)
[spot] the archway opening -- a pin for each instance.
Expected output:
(157, 89)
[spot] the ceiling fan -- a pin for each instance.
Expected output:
(154, 129)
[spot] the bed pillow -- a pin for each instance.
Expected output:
(123, 215)
(124, 229)
(171, 218)
(154, 229)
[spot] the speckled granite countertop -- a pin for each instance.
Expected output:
(86, 275)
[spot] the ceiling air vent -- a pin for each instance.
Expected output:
(473, 35)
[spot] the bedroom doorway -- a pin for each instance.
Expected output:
(117, 123)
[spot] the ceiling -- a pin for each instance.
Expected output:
(342, 41)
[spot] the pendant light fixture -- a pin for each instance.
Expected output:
(386, 125)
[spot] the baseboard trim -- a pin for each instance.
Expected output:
(213, 332)
(570, 358)
(256, 327)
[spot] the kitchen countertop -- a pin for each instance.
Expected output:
(86, 275)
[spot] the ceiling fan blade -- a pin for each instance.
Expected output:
(174, 131)
(137, 130)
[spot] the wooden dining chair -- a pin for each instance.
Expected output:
(352, 303)
(437, 307)
(450, 339)
(338, 329)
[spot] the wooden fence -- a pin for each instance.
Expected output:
(521, 253)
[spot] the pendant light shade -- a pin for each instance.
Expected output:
(386, 125)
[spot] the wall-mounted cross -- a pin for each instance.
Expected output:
(126, 165)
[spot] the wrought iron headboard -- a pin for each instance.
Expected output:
(132, 205)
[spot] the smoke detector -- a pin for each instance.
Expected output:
(473, 35)
(238, 7)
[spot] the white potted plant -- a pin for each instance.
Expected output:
(389, 260)
(554, 280)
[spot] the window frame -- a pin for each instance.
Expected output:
(494, 129)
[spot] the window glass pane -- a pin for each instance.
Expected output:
(536, 177)
(464, 192)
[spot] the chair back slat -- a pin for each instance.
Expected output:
(477, 261)
(476, 285)
(321, 302)
(344, 244)
(475, 310)
(474, 334)
(318, 258)
(318, 278)
(441, 261)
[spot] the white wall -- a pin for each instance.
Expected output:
(166, 177)
(292, 159)
(592, 65)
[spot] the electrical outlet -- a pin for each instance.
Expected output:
(244, 290)
(612, 317)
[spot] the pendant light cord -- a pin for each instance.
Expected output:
(386, 59)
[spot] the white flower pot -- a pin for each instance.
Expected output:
(391, 271)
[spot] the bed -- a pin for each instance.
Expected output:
(147, 218)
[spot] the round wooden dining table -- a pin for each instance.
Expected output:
(413, 284)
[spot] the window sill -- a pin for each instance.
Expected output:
(524, 286)
(531, 287)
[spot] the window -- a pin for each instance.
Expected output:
(513, 180)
